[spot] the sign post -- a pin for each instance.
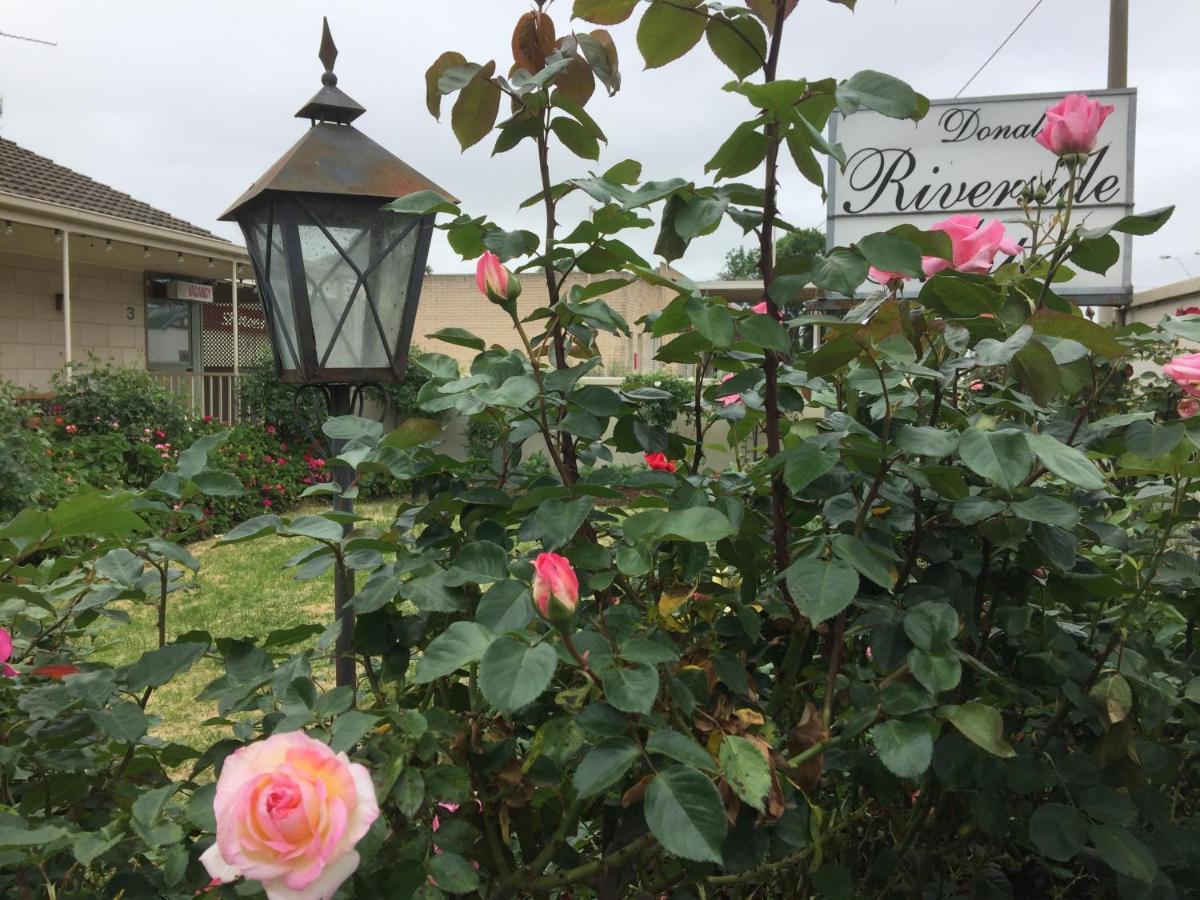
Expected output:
(975, 156)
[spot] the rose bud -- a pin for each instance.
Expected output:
(555, 588)
(496, 283)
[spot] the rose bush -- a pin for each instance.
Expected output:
(936, 639)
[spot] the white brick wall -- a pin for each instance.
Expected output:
(31, 329)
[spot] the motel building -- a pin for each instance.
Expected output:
(88, 272)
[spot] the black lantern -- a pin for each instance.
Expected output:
(340, 275)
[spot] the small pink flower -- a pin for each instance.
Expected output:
(1072, 125)
(1185, 370)
(271, 429)
(289, 812)
(268, 502)
(159, 433)
(1188, 407)
(659, 463)
(760, 308)
(6, 649)
(732, 398)
(555, 587)
(1041, 573)
(881, 276)
(974, 242)
(977, 385)
(208, 420)
(71, 429)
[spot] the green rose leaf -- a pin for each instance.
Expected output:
(982, 725)
(681, 749)
(882, 93)
(746, 770)
(905, 747)
(1068, 463)
(822, 588)
(631, 689)
(1124, 853)
(458, 645)
(668, 30)
(476, 108)
(603, 12)
(684, 811)
(937, 672)
(892, 253)
(931, 625)
(1058, 831)
(453, 873)
(1001, 457)
(604, 765)
(513, 674)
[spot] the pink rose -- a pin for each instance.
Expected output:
(975, 243)
(977, 385)
(659, 462)
(6, 654)
(289, 812)
(555, 587)
(760, 308)
(732, 398)
(494, 281)
(1072, 124)
(71, 429)
(879, 276)
(1185, 370)
(1188, 407)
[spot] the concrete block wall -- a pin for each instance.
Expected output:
(453, 301)
(107, 317)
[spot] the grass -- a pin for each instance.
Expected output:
(242, 590)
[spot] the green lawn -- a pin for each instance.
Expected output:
(242, 590)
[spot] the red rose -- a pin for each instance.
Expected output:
(659, 462)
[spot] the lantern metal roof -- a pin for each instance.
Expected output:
(334, 157)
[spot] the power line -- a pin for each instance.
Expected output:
(31, 40)
(1011, 34)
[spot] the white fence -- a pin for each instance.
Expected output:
(209, 394)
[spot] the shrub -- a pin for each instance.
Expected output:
(26, 456)
(663, 412)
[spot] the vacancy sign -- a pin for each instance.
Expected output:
(975, 156)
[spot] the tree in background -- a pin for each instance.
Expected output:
(742, 262)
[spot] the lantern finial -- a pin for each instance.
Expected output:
(330, 104)
(327, 54)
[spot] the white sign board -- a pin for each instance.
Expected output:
(190, 290)
(974, 156)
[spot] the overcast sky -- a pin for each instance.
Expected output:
(182, 104)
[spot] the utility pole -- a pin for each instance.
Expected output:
(1118, 77)
(1118, 43)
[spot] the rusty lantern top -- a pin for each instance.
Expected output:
(334, 157)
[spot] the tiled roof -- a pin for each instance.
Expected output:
(26, 174)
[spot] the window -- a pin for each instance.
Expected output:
(168, 334)
(172, 325)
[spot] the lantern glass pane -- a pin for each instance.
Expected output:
(358, 259)
(264, 240)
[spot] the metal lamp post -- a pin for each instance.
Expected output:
(340, 275)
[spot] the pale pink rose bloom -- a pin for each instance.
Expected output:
(289, 811)
(882, 276)
(1188, 407)
(6, 654)
(977, 385)
(732, 398)
(555, 587)
(975, 244)
(1185, 370)
(1072, 125)
(760, 308)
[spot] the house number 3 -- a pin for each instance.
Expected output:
(129, 313)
